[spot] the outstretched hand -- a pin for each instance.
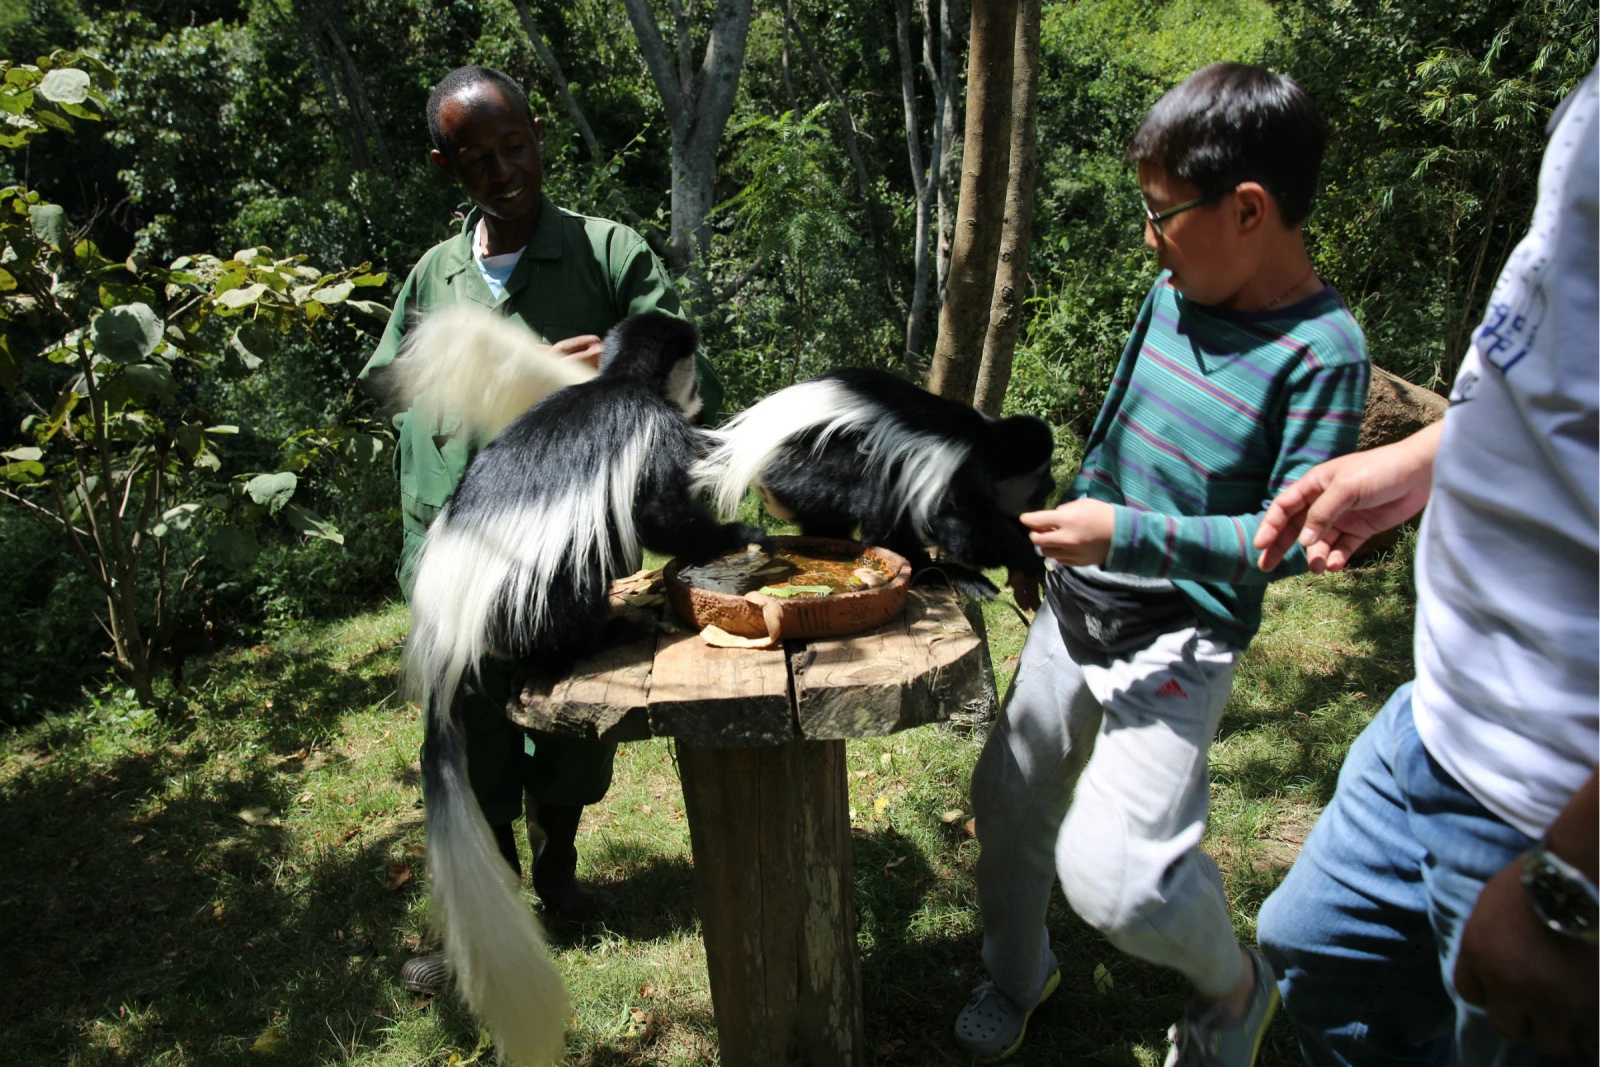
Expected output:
(1338, 505)
(585, 348)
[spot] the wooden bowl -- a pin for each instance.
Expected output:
(754, 615)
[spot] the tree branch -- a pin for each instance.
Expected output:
(654, 50)
(548, 58)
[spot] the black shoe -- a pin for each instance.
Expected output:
(425, 974)
(553, 832)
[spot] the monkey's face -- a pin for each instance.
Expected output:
(683, 388)
(1025, 492)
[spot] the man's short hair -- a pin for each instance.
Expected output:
(462, 79)
(1232, 122)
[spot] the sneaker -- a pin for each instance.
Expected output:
(425, 974)
(991, 1026)
(1209, 1039)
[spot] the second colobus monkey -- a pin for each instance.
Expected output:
(864, 448)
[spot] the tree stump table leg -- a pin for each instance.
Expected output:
(775, 889)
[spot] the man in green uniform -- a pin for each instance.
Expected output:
(568, 278)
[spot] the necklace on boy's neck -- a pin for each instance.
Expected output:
(1281, 297)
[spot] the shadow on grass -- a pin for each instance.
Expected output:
(147, 922)
(652, 897)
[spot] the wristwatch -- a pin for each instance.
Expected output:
(1561, 896)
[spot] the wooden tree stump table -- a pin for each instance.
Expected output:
(761, 749)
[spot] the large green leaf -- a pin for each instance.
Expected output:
(65, 86)
(147, 380)
(238, 298)
(333, 294)
(235, 547)
(272, 491)
(128, 333)
(50, 223)
(309, 522)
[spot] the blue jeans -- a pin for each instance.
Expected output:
(1364, 931)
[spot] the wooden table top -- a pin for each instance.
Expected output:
(648, 682)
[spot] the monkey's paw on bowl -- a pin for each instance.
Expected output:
(802, 587)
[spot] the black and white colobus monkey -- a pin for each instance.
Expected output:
(518, 563)
(864, 448)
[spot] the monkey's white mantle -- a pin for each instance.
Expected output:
(761, 747)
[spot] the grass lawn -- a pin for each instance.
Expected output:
(238, 881)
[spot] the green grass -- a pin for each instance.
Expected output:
(147, 922)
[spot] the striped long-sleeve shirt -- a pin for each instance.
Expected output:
(1209, 415)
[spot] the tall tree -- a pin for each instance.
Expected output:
(927, 184)
(697, 101)
(1011, 274)
(963, 322)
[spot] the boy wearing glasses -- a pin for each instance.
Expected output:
(1243, 371)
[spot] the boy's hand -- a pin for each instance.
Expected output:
(585, 348)
(1339, 504)
(1077, 533)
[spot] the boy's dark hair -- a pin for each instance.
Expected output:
(1230, 123)
(462, 79)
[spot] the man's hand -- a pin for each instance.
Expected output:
(1077, 533)
(585, 348)
(1339, 504)
(1024, 588)
(1538, 988)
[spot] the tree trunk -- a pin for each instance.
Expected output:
(947, 146)
(356, 92)
(964, 321)
(1011, 275)
(349, 128)
(923, 182)
(697, 102)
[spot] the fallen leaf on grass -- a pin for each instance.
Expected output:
(270, 1043)
(1102, 979)
(972, 826)
(880, 805)
(951, 816)
(258, 817)
(416, 850)
(136, 839)
(888, 868)
(304, 799)
(647, 990)
(645, 808)
(399, 875)
(348, 834)
(643, 1028)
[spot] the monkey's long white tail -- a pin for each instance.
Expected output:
(491, 939)
(469, 363)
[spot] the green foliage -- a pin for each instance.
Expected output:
(1437, 112)
(110, 361)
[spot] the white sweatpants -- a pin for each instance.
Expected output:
(1132, 736)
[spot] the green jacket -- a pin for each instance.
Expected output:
(578, 275)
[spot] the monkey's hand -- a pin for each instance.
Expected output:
(1025, 588)
(749, 535)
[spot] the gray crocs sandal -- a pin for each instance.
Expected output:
(991, 1026)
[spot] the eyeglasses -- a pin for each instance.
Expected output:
(1156, 218)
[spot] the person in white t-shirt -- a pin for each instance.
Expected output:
(1443, 909)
